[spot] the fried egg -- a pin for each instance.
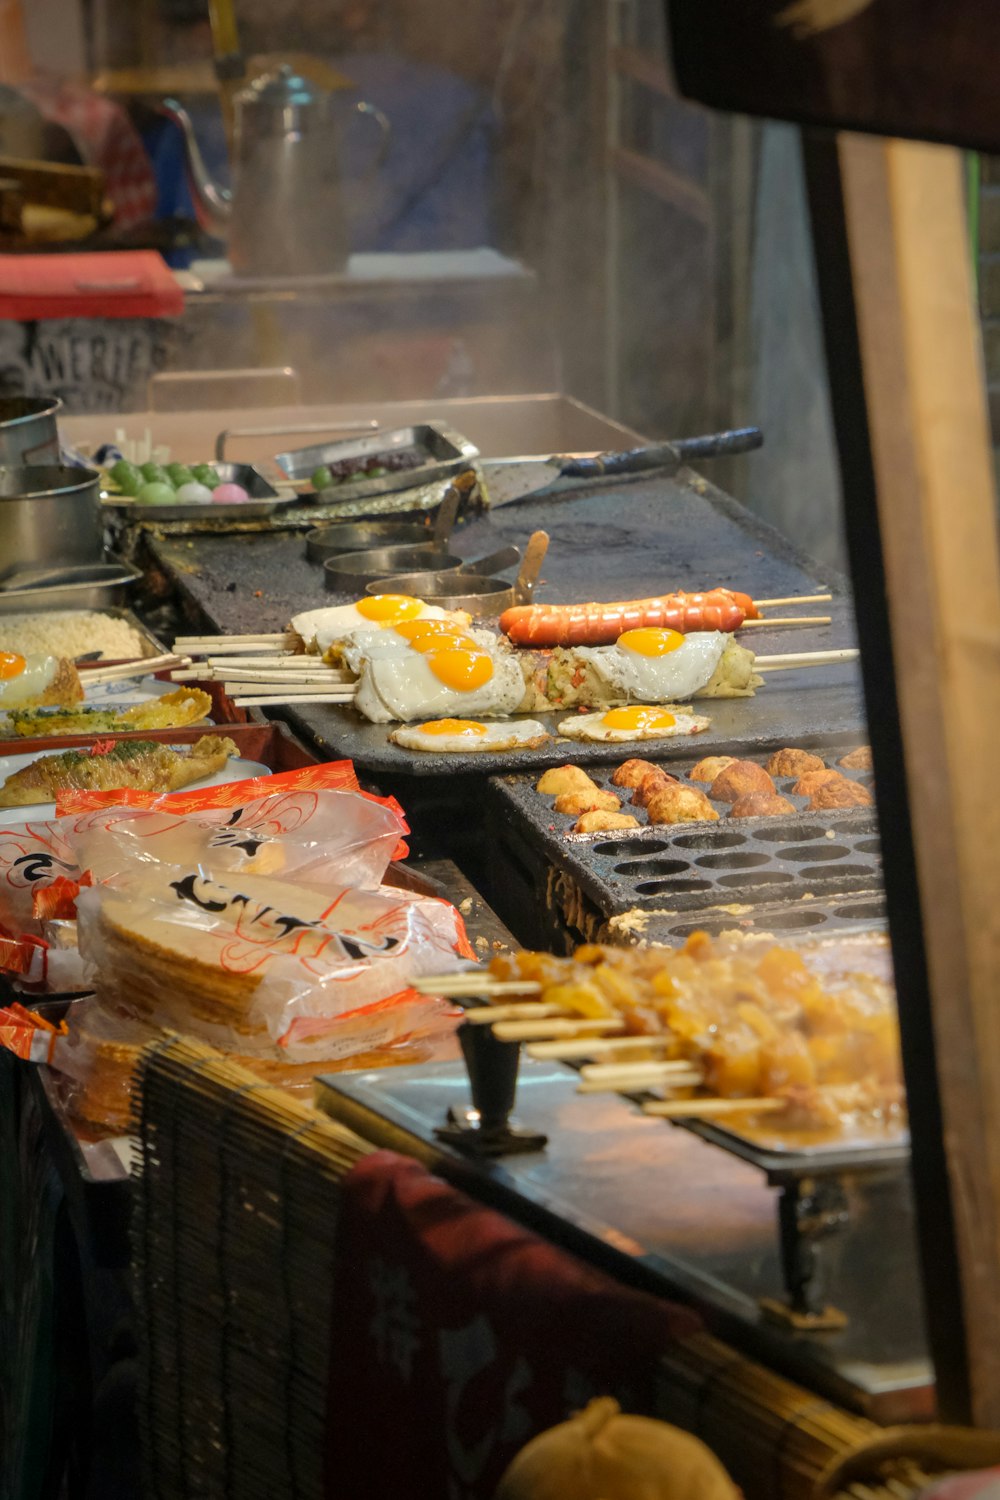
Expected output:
(452, 681)
(637, 722)
(657, 666)
(418, 635)
(465, 736)
(323, 628)
(24, 678)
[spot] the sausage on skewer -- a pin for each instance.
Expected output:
(546, 625)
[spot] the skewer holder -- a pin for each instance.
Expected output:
(487, 1129)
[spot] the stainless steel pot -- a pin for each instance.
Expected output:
(49, 514)
(28, 433)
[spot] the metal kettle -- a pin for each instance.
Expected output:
(286, 214)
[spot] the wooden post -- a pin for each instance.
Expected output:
(931, 472)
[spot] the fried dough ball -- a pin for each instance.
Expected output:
(740, 778)
(791, 762)
(857, 760)
(760, 805)
(654, 781)
(813, 780)
(565, 779)
(631, 772)
(601, 822)
(680, 804)
(841, 793)
(576, 803)
(711, 767)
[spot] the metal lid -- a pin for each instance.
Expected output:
(281, 88)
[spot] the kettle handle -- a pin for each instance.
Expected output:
(382, 121)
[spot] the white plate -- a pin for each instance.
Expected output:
(233, 770)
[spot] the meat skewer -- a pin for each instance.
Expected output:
(548, 625)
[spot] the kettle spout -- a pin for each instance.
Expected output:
(212, 203)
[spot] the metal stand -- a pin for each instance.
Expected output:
(809, 1211)
(486, 1129)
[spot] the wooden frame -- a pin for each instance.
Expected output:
(895, 278)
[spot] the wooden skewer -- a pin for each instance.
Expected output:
(806, 658)
(679, 1068)
(538, 1031)
(205, 645)
(286, 661)
(610, 1046)
(793, 599)
(278, 700)
(527, 1010)
(710, 1109)
(628, 1083)
(126, 669)
(774, 620)
(244, 681)
(472, 982)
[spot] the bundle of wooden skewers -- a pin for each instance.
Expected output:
(551, 1034)
(141, 666)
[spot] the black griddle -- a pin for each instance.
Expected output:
(688, 866)
(627, 541)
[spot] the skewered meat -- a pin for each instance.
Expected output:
(739, 778)
(546, 625)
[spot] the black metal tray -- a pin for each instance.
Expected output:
(692, 865)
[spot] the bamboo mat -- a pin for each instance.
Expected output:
(236, 1196)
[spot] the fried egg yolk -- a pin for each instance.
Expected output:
(454, 726)
(442, 640)
(11, 665)
(462, 671)
(389, 609)
(636, 719)
(650, 641)
(410, 628)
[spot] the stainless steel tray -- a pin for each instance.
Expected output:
(440, 449)
(264, 500)
(85, 587)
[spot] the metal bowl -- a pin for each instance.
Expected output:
(362, 536)
(355, 570)
(49, 513)
(479, 595)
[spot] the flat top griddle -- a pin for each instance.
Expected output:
(625, 541)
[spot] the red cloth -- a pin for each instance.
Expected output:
(457, 1336)
(92, 284)
(105, 137)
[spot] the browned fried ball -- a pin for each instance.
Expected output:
(710, 767)
(560, 779)
(738, 779)
(813, 780)
(654, 781)
(680, 804)
(631, 772)
(841, 793)
(792, 762)
(857, 760)
(761, 805)
(603, 822)
(575, 803)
